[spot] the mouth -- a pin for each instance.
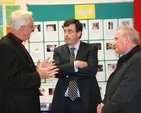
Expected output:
(66, 39)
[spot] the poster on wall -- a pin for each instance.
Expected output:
(51, 31)
(110, 67)
(110, 27)
(49, 49)
(36, 51)
(7, 1)
(95, 29)
(85, 30)
(37, 33)
(125, 21)
(100, 48)
(61, 31)
(110, 53)
(85, 11)
(101, 71)
(47, 91)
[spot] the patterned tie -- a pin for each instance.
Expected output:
(72, 92)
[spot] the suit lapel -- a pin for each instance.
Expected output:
(66, 53)
(81, 50)
(20, 50)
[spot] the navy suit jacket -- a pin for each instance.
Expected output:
(86, 79)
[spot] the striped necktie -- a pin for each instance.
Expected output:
(72, 91)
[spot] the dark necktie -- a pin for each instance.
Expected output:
(72, 91)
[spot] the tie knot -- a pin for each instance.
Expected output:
(72, 49)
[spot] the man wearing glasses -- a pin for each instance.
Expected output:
(19, 79)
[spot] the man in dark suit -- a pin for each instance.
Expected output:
(19, 79)
(82, 70)
(123, 90)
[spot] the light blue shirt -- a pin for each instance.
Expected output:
(75, 68)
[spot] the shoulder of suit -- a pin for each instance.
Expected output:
(6, 39)
(62, 46)
(88, 44)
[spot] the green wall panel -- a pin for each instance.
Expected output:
(60, 12)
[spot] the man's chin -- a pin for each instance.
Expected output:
(116, 50)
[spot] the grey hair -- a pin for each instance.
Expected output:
(19, 18)
(131, 32)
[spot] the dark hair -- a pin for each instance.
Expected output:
(78, 24)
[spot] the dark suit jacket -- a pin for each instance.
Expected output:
(19, 83)
(123, 91)
(87, 83)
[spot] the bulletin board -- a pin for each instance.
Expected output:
(65, 11)
(117, 14)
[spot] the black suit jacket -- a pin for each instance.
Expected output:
(19, 83)
(87, 83)
(123, 90)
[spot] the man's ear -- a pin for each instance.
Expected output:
(127, 39)
(22, 28)
(79, 34)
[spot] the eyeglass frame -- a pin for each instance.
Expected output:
(32, 26)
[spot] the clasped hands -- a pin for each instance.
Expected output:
(47, 68)
(99, 108)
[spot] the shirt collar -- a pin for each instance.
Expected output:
(76, 46)
(17, 39)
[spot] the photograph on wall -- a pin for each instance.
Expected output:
(43, 91)
(101, 71)
(110, 53)
(85, 30)
(100, 48)
(95, 29)
(51, 91)
(36, 51)
(49, 49)
(110, 67)
(44, 98)
(51, 31)
(47, 90)
(110, 27)
(125, 21)
(61, 31)
(37, 33)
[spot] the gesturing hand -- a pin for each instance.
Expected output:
(47, 68)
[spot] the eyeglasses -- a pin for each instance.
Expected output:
(32, 26)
